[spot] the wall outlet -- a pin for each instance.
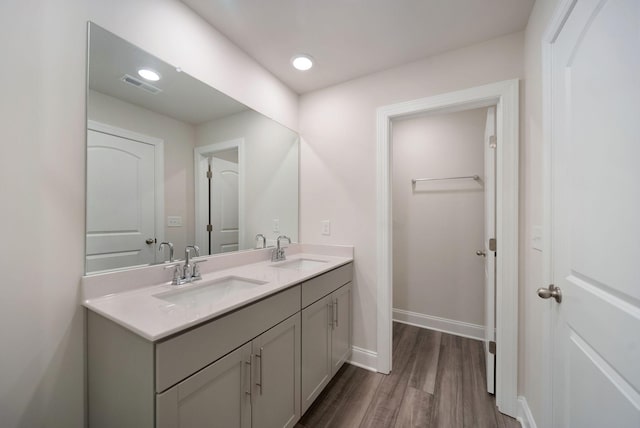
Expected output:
(326, 227)
(536, 238)
(174, 221)
(276, 225)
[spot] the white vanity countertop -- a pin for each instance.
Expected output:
(153, 318)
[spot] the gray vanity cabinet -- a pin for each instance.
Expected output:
(316, 349)
(341, 333)
(275, 399)
(215, 396)
(326, 330)
(260, 366)
(255, 386)
(199, 377)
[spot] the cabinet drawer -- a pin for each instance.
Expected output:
(187, 353)
(320, 286)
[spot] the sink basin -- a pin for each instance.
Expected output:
(301, 264)
(211, 290)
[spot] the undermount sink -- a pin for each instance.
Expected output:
(211, 290)
(301, 264)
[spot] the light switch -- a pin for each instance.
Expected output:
(326, 227)
(174, 221)
(536, 238)
(276, 225)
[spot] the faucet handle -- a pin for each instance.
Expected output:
(196, 269)
(177, 274)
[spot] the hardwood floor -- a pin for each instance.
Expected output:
(438, 380)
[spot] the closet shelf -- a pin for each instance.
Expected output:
(465, 177)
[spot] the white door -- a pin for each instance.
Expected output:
(490, 233)
(595, 215)
(224, 206)
(120, 202)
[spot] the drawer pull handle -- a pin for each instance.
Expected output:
(335, 313)
(260, 356)
(330, 314)
(248, 365)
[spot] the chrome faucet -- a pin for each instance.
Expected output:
(188, 272)
(264, 240)
(188, 269)
(170, 245)
(278, 253)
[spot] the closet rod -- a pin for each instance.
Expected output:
(475, 177)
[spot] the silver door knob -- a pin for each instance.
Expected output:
(150, 241)
(552, 291)
(481, 253)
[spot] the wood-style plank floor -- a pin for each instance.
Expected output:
(438, 380)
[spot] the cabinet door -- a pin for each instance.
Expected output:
(341, 333)
(217, 396)
(276, 376)
(317, 321)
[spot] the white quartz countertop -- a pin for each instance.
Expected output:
(154, 319)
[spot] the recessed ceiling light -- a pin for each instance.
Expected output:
(150, 75)
(302, 62)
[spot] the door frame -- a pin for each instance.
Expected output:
(158, 156)
(505, 96)
(557, 21)
(201, 152)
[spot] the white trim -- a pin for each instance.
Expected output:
(202, 151)
(363, 358)
(559, 17)
(525, 417)
(505, 96)
(158, 170)
(445, 325)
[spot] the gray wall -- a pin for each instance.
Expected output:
(438, 226)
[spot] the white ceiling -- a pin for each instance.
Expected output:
(183, 97)
(351, 38)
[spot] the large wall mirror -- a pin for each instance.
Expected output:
(171, 159)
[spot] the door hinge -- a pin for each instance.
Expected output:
(209, 228)
(209, 174)
(492, 347)
(492, 142)
(492, 244)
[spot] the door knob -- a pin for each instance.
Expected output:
(150, 241)
(552, 291)
(481, 253)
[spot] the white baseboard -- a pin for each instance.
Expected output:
(458, 328)
(524, 414)
(364, 358)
